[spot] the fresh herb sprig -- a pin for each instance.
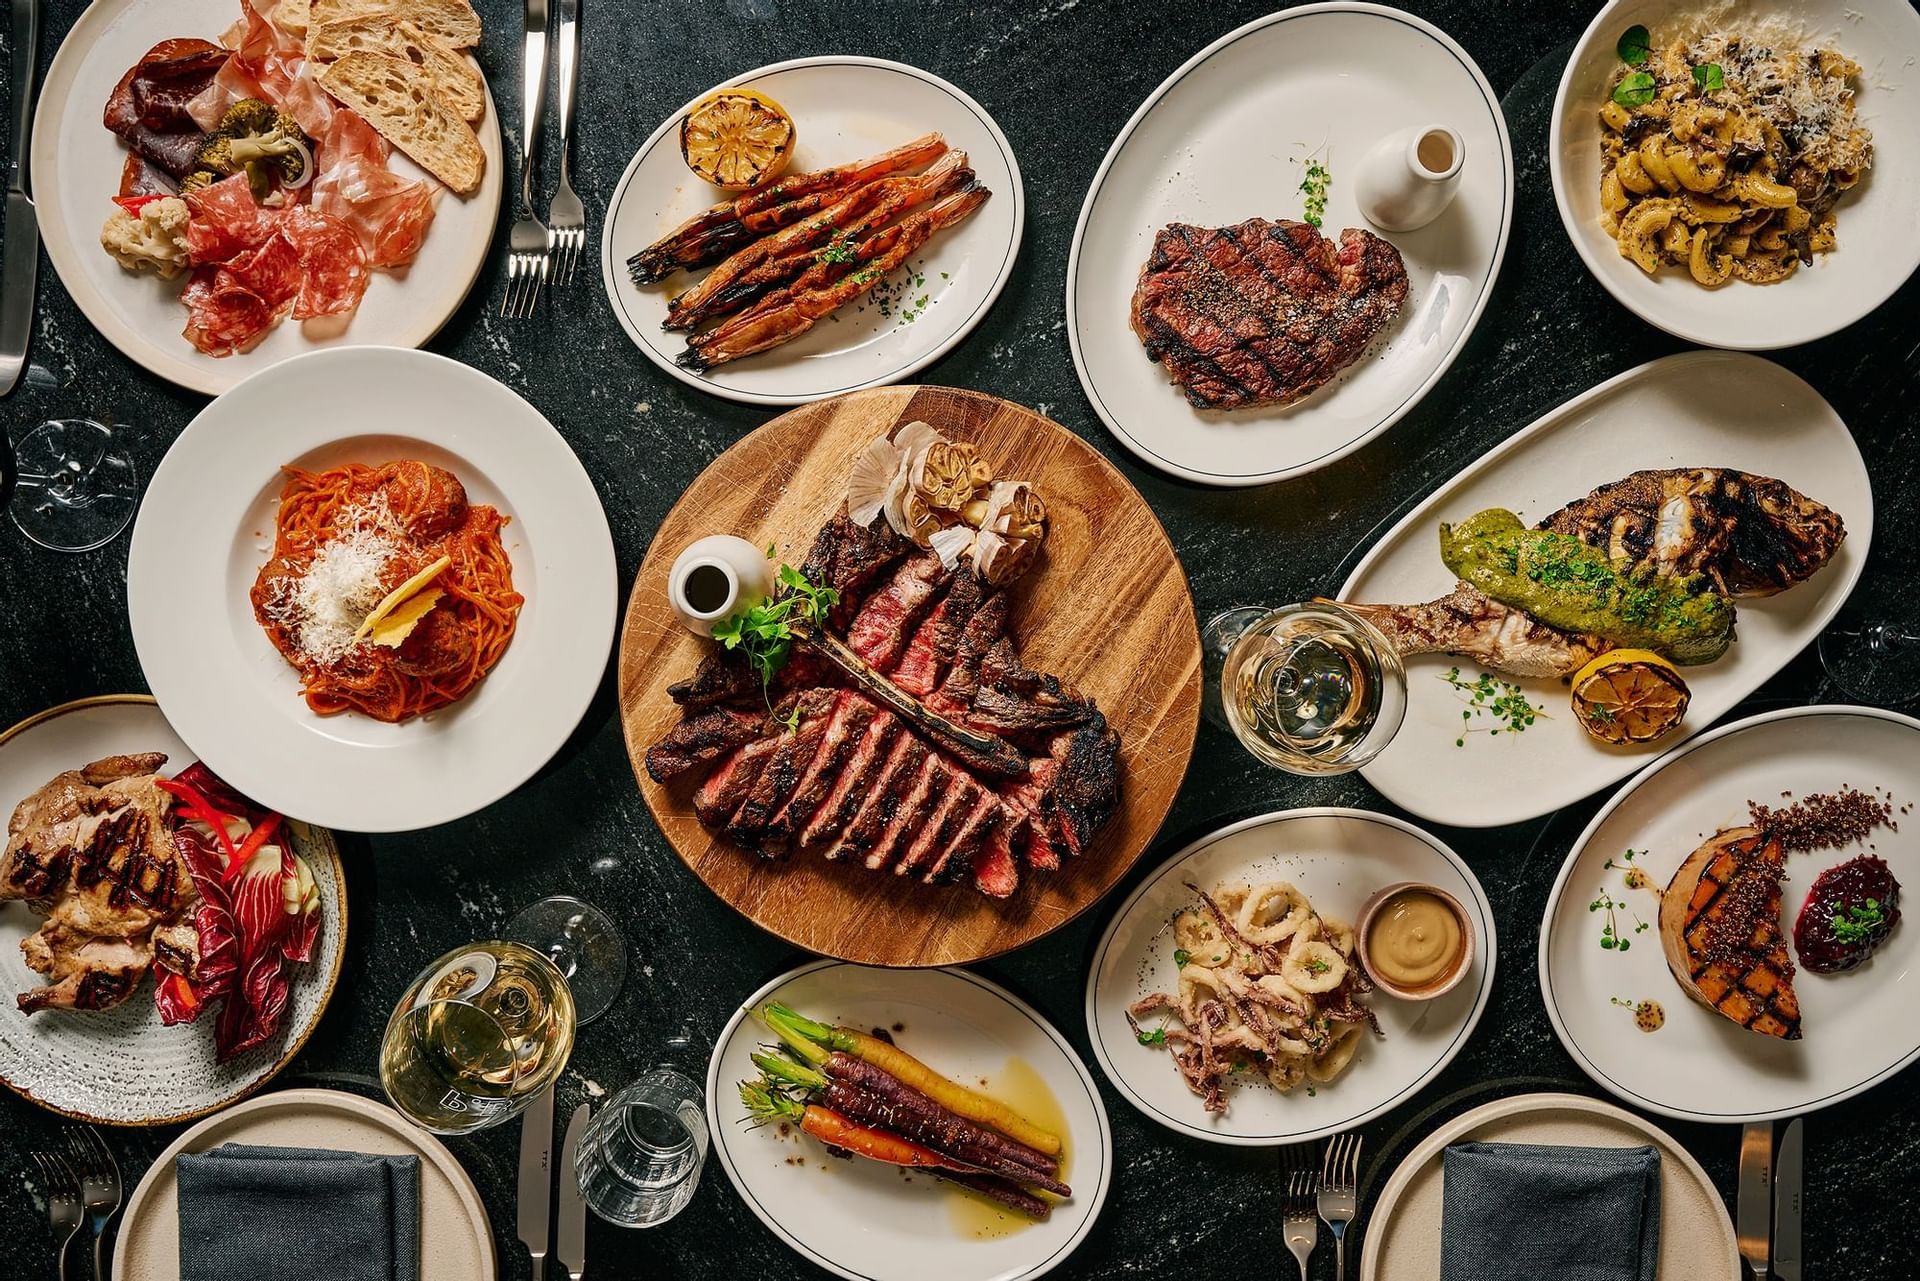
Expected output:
(764, 631)
(1855, 923)
(1314, 187)
(1612, 938)
(1504, 701)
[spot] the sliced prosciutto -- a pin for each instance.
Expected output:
(389, 213)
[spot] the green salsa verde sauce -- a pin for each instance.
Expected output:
(1566, 584)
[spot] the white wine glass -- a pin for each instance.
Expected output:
(1308, 688)
(584, 945)
(75, 485)
(476, 1037)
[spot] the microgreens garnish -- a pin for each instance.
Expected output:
(1635, 90)
(1504, 701)
(764, 631)
(1855, 923)
(1709, 78)
(1636, 44)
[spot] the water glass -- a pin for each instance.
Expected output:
(639, 1161)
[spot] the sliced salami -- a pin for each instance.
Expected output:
(223, 318)
(271, 272)
(333, 265)
(225, 221)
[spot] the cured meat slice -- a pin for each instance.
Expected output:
(270, 271)
(333, 263)
(141, 177)
(148, 107)
(223, 319)
(224, 221)
(352, 183)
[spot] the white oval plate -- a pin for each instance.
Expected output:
(456, 1243)
(1403, 1227)
(862, 1220)
(1878, 229)
(76, 171)
(206, 526)
(123, 1066)
(1859, 1027)
(1338, 857)
(1221, 142)
(845, 108)
(1696, 409)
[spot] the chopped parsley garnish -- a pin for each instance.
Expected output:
(1855, 923)
(1504, 701)
(837, 250)
(1317, 967)
(1181, 956)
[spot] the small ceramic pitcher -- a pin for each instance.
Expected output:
(714, 577)
(1410, 177)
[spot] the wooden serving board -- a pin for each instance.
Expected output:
(1107, 610)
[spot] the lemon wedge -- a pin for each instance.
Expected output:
(737, 139)
(399, 596)
(1629, 696)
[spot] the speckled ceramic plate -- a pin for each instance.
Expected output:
(76, 171)
(1225, 139)
(1338, 857)
(1403, 1224)
(844, 108)
(871, 1222)
(456, 1243)
(1859, 1027)
(122, 1066)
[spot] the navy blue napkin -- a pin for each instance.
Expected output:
(1523, 1212)
(298, 1213)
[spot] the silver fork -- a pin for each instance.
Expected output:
(99, 1188)
(566, 217)
(1303, 1230)
(64, 1211)
(527, 242)
(1339, 1191)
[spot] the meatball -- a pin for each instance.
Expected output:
(437, 646)
(429, 501)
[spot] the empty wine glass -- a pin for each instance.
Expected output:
(476, 1037)
(75, 486)
(584, 945)
(639, 1161)
(1310, 689)
(1874, 659)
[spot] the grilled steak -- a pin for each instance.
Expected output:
(922, 795)
(728, 785)
(700, 739)
(1263, 313)
(785, 768)
(892, 782)
(849, 721)
(1720, 926)
(853, 783)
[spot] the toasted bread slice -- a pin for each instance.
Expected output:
(1720, 927)
(293, 15)
(398, 98)
(452, 22)
(456, 78)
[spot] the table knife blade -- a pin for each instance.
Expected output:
(570, 1243)
(1753, 1218)
(18, 268)
(536, 1178)
(1786, 1205)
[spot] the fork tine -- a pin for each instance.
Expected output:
(1352, 1176)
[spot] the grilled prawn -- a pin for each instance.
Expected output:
(711, 236)
(764, 328)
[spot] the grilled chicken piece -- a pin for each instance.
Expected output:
(1469, 624)
(1720, 926)
(1752, 535)
(85, 973)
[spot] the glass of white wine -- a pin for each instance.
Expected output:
(1310, 689)
(476, 1037)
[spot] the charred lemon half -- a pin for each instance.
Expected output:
(737, 138)
(1629, 696)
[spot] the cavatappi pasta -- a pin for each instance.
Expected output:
(1267, 985)
(1737, 182)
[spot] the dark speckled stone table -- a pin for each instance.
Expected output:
(1061, 76)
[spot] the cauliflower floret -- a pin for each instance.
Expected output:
(154, 237)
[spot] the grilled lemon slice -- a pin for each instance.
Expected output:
(1629, 696)
(737, 138)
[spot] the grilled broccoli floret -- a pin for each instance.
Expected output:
(258, 139)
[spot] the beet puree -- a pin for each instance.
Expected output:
(1849, 885)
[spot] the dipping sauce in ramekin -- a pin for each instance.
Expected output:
(1415, 940)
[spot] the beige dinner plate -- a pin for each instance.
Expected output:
(1403, 1226)
(456, 1243)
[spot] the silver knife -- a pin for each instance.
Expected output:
(21, 260)
(1752, 1216)
(1786, 1205)
(570, 1243)
(536, 1178)
(533, 97)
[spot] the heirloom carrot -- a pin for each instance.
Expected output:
(838, 1131)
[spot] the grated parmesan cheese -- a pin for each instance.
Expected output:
(323, 608)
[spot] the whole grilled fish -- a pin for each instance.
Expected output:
(1751, 535)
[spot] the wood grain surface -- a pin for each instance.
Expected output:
(1107, 610)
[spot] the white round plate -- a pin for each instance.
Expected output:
(1403, 1226)
(123, 1066)
(456, 1243)
(845, 108)
(1859, 1028)
(206, 526)
(866, 1221)
(76, 171)
(1224, 140)
(1338, 857)
(1879, 236)
(1695, 409)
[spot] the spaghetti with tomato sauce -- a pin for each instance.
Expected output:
(349, 537)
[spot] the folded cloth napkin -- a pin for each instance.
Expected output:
(298, 1214)
(1526, 1212)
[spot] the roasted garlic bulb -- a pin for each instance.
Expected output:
(949, 473)
(1014, 510)
(1001, 560)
